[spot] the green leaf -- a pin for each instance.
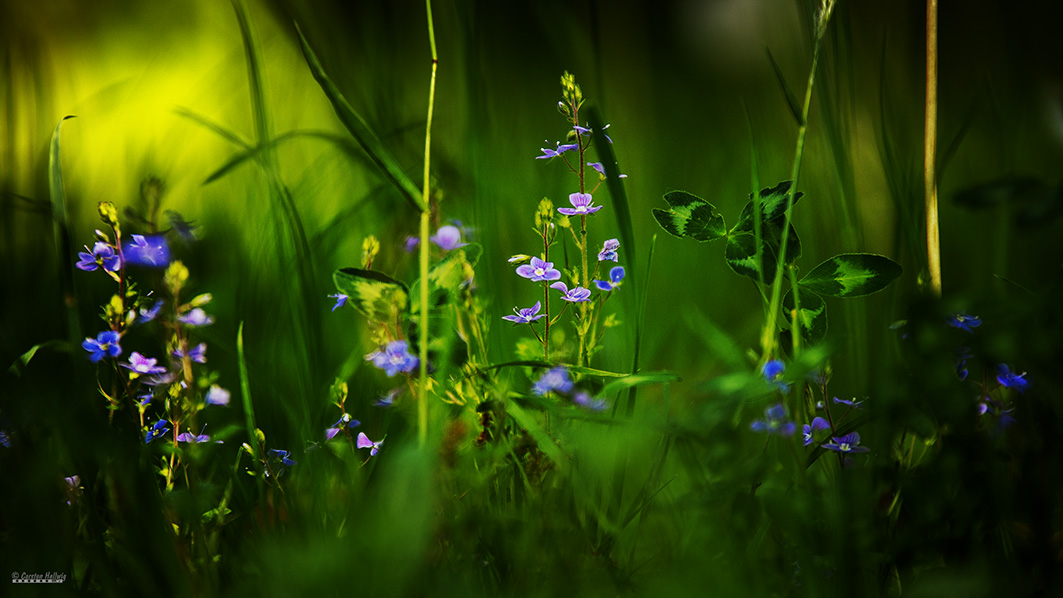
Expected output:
(446, 277)
(639, 380)
(690, 216)
(772, 205)
(61, 229)
(851, 275)
(812, 316)
(741, 256)
(372, 293)
(360, 130)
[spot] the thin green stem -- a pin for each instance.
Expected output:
(933, 241)
(426, 214)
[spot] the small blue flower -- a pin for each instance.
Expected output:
(149, 314)
(151, 252)
(588, 402)
(775, 422)
(197, 354)
(810, 429)
(193, 438)
(1007, 379)
(526, 315)
(344, 421)
(962, 355)
(217, 395)
(582, 204)
(538, 270)
(410, 244)
(364, 442)
(575, 295)
(156, 431)
(553, 153)
(447, 237)
(282, 456)
(554, 379)
(853, 404)
(964, 321)
(143, 365)
(104, 345)
(846, 444)
(616, 274)
(196, 317)
(773, 371)
(5, 440)
(145, 399)
(394, 358)
(608, 252)
(101, 254)
(341, 300)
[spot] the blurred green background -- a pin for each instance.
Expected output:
(688, 88)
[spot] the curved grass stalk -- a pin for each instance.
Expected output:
(933, 240)
(426, 213)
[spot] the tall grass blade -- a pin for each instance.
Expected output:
(258, 152)
(360, 130)
(219, 130)
(61, 228)
(791, 99)
(249, 409)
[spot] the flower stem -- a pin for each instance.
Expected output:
(426, 213)
(933, 241)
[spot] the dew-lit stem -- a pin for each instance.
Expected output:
(933, 241)
(426, 212)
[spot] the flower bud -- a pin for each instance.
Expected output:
(108, 213)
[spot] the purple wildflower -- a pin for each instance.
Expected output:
(538, 270)
(143, 365)
(553, 153)
(388, 400)
(341, 300)
(608, 252)
(282, 456)
(773, 371)
(394, 358)
(588, 402)
(526, 315)
(156, 431)
(104, 345)
(410, 244)
(575, 295)
(582, 204)
(196, 317)
(193, 438)
(775, 422)
(846, 444)
(601, 169)
(149, 314)
(364, 442)
(217, 396)
(344, 421)
(197, 354)
(964, 321)
(616, 274)
(1007, 379)
(101, 254)
(447, 237)
(852, 404)
(810, 429)
(554, 379)
(151, 252)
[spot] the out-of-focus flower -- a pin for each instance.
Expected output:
(341, 300)
(148, 314)
(588, 402)
(772, 372)
(447, 237)
(143, 365)
(151, 251)
(282, 456)
(852, 404)
(775, 422)
(964, 321)
(194, 438)
(196, 317)
(393, 358)
(1009, 379)
(217, 395)
(554, 379)
(197, 354)
(608, 252)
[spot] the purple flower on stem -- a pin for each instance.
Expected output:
(159, 379)
(538, 270)
(196, 317)
(775, 422)
(217, 395)
(197, 354)
(344, 421)
(772, 372)
(554, 379)
(193, 438)
(601, 169)
(586, 131)
(341, 300)
(846, 444)
(616, 274)
(810, 429)
(282, 456)
(964, 321)
(395, 357)
(388, 400)
(156, 431)
(588, 402)
(553, 153)
(853, 404)
(526, 315)
(101, 255)
(145, 398)
(1007, 379)
(447, 237)
(152, 252)
(73, 488)
(410, 244)
(149, 314)
(582, 204)
(142, 365)
(104, 345)
(575, 295)
(608, 252)
(364, 442)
